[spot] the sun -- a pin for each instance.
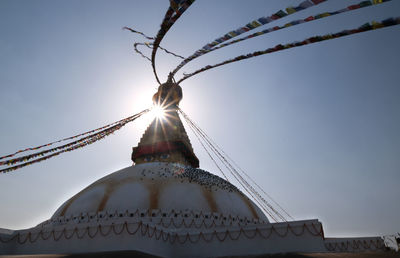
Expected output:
(158, 111)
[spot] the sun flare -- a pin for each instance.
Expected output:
(158, 112)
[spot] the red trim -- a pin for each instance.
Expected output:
(154, 148)
(163, 147)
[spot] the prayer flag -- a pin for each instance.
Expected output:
(255, 24)
(281, 14)
(317, 1)
(238, 31)
(310, 18)
(232, 33)
(365, 3)
(250, 26)
(298, 8)
(290, 10)
(263, 20)
(376, 25)
(323, 15)
(354, 6)
(389, 22)
(305, 4)
(275, 17)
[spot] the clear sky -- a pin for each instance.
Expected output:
(318, 126)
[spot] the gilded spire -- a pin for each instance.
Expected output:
(165, 139)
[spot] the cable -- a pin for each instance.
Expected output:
(251, 191)
(204, 147)
(253, 181)
(267, 207)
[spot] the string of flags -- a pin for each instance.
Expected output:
(366, 27)
(49, 153)
(248, 27)
(262, 21)
(214, 46)
(175, 10)
(62, 140)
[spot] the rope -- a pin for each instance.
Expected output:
(203, 51)
(265, 205)
(248, 27)
(195, 131)
(175, 10)
(140, 52)
(138, 32)
(251, 193)
(67, 147)
(149, 45)
(226, 166)
(366, 27)
(247, 187)
(247, 175)
(204, 147)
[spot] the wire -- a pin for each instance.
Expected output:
(220, 154)
(237, 176)
(246, 174)
(204, 147)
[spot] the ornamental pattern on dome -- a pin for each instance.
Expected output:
(161, 186)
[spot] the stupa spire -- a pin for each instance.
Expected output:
(165, 139)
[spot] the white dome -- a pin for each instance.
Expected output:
(163, 187)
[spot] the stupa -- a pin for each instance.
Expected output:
(164, 205)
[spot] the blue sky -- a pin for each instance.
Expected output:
(317, 126)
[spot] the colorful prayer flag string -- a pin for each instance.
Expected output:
(68, 147)
(353, 7)
(176, 9)
(250, 26)
(62, 140)
(366, 27)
